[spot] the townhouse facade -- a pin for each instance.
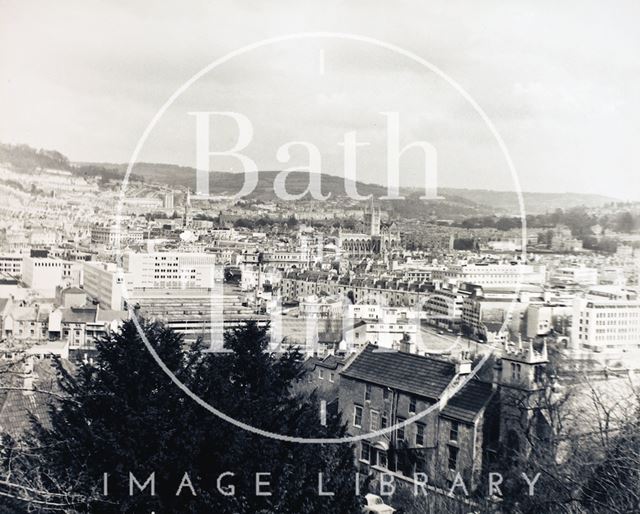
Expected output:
(388, 292)
(417, 419)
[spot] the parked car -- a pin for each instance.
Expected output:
(375, 505)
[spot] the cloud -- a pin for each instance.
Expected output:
(558, 80)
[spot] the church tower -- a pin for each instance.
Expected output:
(523, 385)
(372, 219)
(524, 368)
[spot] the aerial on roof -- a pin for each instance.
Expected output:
(411, 373)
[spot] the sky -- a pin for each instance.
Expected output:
(559, 82)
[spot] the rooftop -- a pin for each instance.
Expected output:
(423, 376)
(467, 403)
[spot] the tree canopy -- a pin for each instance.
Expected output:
(124, 415)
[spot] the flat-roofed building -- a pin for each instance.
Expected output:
(444, 307)
(607, 325)
(103, 282)
(11, 264)
(580, 275)
(44, 274)
(170, 270)
(510, 274)
(113, 235)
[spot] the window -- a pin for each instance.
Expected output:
(453, 458)
(412, 405)
(453, 431)
(538, 374)
(367, 393)
(365, 451)
(357, 416)
(384, 420)
(401, 430)
(321, 374)
(374, 423)
(419, 434)
(382, 459)
(515, 371)
(332, 377)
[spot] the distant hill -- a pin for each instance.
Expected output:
(456, 203)
(225, 183)
(478, 200)
(23, 157)
(535, 203)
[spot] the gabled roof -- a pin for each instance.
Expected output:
(329, 362)
(18, 408)
(467, 403)
(79, 315)
(411, 373)
(111, 315)
(30, 313)
(15, 415)
(73, 290)
(493, 326)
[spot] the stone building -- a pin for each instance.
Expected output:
(420, 422)
(377, 238)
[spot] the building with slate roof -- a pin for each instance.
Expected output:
(82, 326)
(27, 322)
(34, 390)
(323, 376)
(361, 289)
(436, 420)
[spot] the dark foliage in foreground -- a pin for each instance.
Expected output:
(124, 415)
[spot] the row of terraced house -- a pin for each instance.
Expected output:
(392, 292)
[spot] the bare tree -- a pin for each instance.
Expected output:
(581, 440)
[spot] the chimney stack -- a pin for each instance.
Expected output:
(463, 365)
(28, 376)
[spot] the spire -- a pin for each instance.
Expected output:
(545, 355)
(519, 343)
(530, 353)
